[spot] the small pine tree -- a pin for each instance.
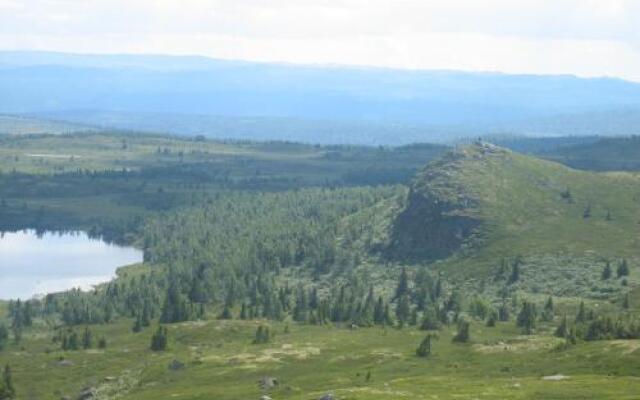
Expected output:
(72, 342)
(159, 339)
(503, 312)
(7, 390)
(515, 272)
(430, 320)
(582, 313)
(625, 302)
(226, 313)
(587, 212)
(403, 310)
(527, 317)
(4, 336)
(403, 285)
(463, 335)
(87, 339)
(563, 329)
(424, 350)
(493, 318)
(137, 325)
(262, 335)
(623, 268)
(606, 272)
(102, 343)
(548, 312)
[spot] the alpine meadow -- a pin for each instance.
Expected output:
(319, 201)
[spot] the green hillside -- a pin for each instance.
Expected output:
(483, 204)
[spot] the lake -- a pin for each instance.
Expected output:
(32, 264)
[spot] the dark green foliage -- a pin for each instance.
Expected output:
(226, 313)
(430, 319)
(160, 339)
(493, 319)
(582, 315)
(424, 350)
(462, 335)
(137, 325)
(4, 336)
(87, 339)
(563, 329)
(587, 212)
(7, 390)
(503, 312)
(515, 271)
(263, 335)
(175, 307)
(527, 317)
(548, 312)
(403, 285)
(479, 308)
(623, 268)
(102, 343)
(606, 272)
(625, 302)
(403, 310)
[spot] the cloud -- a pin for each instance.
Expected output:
(585, 37)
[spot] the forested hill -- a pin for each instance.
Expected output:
(605, 154)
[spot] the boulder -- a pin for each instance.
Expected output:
(328, 396)
(268, 382)
(176, 365)
(87, 393)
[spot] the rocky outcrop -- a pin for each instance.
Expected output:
(439, 216)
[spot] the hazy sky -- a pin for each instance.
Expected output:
(583, 37)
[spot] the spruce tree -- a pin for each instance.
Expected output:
(430, 320)
(137, 325)
(87, 339)
(424, 350)
(503, 312)
(378, 312)
(548, 312)
(243, 312)
(7, 390)
(515, 272)
(262, 335)
(493, 318)
(159, 339)
(4, 336)
(606, 272)
(562, 330)
(625, 302)
(462, 335)
(582, 313)
(403, 284)
(226, 313)
(623, 268)
(527, 317)
(403, 310)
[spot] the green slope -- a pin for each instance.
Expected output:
(482, 204)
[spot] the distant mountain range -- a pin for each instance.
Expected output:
(321, 104)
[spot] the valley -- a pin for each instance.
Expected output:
(324, 268)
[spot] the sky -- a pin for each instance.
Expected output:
(581, 37)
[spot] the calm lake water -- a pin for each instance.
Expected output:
(34, 265)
